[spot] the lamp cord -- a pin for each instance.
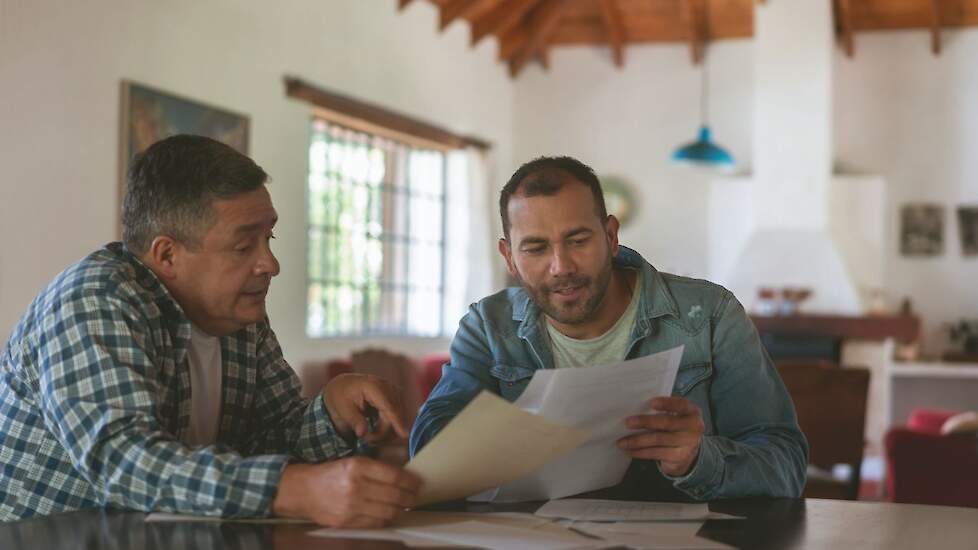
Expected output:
(704, 80)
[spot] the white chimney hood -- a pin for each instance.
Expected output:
(792, 224)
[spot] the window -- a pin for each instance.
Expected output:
(376, 235)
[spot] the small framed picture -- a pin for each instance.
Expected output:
(968, 229)
(149, 115)
(922, 230)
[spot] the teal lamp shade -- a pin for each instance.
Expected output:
(704, 153)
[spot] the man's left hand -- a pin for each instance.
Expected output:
(349, 399)
(673, 438)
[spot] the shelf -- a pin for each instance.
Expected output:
(905, 328)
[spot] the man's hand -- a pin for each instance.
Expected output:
(349, 398)
(672, 438)
(351, 492)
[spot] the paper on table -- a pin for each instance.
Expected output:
(595, 399)
(160, 517)
(383, 534)
(587, 509)
(494, 530)
(490, 443)
(486, 535)
(652, 536)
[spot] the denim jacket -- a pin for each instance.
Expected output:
(752, 445)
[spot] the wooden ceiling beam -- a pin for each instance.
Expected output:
(616, 32)
(456, 9)
(935, 27)
(511, 42)
(843, 13)
(543, 22)
(694, 15)
(504, 17)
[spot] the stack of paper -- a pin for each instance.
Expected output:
(589, 509)
(491, 442)
(597, 400)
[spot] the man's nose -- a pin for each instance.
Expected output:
(561, 263)
(267, 264)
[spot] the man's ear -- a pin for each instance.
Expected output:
(507, 253)
(611, 226)
(163, 255)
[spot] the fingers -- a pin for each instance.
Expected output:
(360, 492)
(348, 397)
(664, 422)
(381, 396)
(658, 439)
(676, 405)
(676, 414)
(388, 474)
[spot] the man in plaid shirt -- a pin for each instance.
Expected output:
(147, 377)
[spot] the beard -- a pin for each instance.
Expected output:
(578, 311)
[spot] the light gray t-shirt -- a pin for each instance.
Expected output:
(204, 357)
(609, 348)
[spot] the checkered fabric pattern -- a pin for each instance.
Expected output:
(95, 396)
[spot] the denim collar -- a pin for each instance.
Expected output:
(655, 301)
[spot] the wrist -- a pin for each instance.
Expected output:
(341, 427)
(287, 501)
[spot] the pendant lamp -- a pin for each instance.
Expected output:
(704, 153)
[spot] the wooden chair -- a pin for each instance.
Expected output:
(831, 405)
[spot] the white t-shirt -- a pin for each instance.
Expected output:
(204, 357)
(611, 347)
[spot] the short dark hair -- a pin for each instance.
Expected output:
(171, 185)
(546, 176)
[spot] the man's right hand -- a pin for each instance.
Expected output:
(351, 492)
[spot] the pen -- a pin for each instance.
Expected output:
(364, 447)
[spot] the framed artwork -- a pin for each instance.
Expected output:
(922, 229)
(968, 229)
(149, 115)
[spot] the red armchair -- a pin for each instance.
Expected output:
(429, 371)
(925, 467)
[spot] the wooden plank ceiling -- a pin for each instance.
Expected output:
(528, 29)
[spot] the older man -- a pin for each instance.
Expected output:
(584, 300)
(147, 377)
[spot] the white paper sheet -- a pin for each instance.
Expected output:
(597, 400)
(487, 535)
(160, 517)
(650, 536)
(412, 541)
(487, 530)
(589, 509)
(491, 442)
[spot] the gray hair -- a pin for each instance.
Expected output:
(171, 185)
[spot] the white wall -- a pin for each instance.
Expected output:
(60, 67)
(913, 118)
(899, 112)
(627, 123)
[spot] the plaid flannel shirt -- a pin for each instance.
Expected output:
(95, 396)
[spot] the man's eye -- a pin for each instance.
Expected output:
(578, 242)
(533, 250)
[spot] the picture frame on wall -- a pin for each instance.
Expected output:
(150, 114)
(922, 229)
(968, 230)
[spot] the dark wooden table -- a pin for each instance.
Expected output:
(770, 523)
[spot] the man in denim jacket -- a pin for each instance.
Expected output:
(585, 300)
